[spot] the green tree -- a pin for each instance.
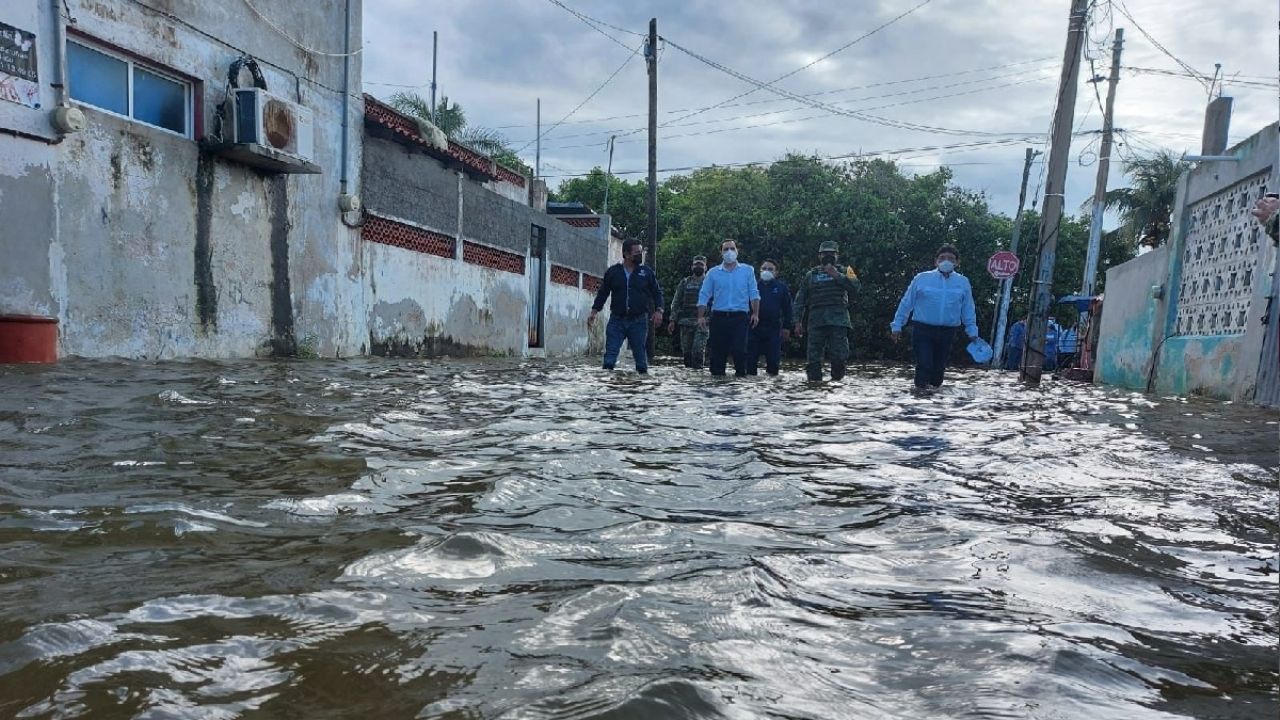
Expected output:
(1146, 206)
(452, 121)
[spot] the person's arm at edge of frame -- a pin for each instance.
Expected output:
(601, 296)
(753, 296)
(704, 298)
(905, 306)
(968, 312)
(656, 290)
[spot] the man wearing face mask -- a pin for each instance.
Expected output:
(637, 301)
(823, 304)
(731, 288)
(775, 321)
(939, 302)
(684, 313)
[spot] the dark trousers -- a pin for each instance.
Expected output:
(932, 344)
(728, 337)
(766, 339)
(635, 331)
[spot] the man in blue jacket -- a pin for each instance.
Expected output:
(775, 321)
(637, 302)
(938, 301)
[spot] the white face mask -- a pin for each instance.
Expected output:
(946, 266)
(730, 256)
(766, 275)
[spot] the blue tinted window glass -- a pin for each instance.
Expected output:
(159, 101)
(98, 79)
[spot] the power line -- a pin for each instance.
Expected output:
(1233, 80)
(977, 144)
(784, 76)
(840, 102)
(595, 24)
(865, 117)
(1124, 10)
(819, 117)
(584, 102)
(813, 94)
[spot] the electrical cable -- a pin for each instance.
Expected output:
(775, 100)
(865, 117)
(806, 66)
(1124, 10)
(814, 117)
(585, 100)
(873, 97)
(753, 115)
(595, 24)
(978, 144)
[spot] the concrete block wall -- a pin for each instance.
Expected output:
(448, 258)
(1205, 335)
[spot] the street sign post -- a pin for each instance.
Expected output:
(1003, 265)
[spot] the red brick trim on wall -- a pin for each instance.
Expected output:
(402, 125)
(489, 257)
(562, 275)
(389, 232)
(511, 176)
(582, 222)
(591, 283)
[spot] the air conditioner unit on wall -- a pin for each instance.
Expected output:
(269, 132)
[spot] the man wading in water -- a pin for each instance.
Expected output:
(939, 302)
(637, 301)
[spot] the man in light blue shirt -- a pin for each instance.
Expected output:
(731, 289)
(938, 302)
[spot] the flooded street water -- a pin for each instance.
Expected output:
(498, 539)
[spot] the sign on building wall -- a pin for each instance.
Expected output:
(19, 82)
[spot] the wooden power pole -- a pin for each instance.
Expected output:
(1104, 165)
(1054, 195)
(1002, 320)
(651, 242)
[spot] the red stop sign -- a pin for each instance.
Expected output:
(1003, 265)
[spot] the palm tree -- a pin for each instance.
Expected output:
(1146, 206)
(452, 121)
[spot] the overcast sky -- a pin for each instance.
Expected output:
(986, 66)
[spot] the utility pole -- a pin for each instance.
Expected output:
(434, 46)
(997, 359)
(608, 176)
(1104, 165)
(1054, 197)
(537, 148)
(651, 244)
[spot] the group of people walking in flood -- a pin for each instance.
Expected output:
(728, 312)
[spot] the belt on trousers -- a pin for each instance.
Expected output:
(728, 313)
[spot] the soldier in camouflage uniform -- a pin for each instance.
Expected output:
(822, 307)
(684, 313)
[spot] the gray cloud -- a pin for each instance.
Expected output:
(498, 56)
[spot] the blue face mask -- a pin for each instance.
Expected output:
(946, 266)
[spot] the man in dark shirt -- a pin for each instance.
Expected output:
(637, 302)
(775, 321)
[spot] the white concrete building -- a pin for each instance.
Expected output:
(182, 179)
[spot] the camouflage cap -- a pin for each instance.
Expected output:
(700, 259)
(829, 246)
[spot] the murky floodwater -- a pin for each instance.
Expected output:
(503, 540)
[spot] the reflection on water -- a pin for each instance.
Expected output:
(509, 540)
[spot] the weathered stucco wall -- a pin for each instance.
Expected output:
(427, 305)
(142, 245)
(426, 297)
(1130, 320)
